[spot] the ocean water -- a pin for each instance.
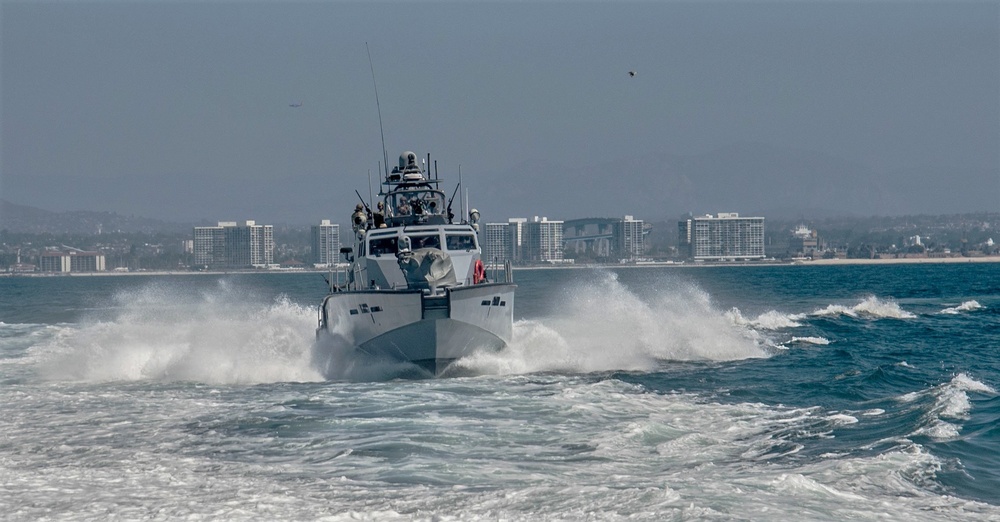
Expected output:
(713, 393)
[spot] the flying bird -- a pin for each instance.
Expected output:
(297, 104)
(631, 74)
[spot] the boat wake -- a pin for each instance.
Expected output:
(603, 326)
(228, 335)
(220, 336)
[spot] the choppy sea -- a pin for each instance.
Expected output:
(672, 393)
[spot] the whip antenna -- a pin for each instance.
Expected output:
(385, 155)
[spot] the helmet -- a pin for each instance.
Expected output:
(359, 206)
(379, 204)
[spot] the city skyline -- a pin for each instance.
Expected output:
(165, 109)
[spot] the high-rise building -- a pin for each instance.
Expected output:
(326, 243)
(230, 245)
(517, 236)
(542, 241)
(496, 244)
(627, 238)
(725, 236)
(210, 245)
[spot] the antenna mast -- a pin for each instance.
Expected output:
(385, 155)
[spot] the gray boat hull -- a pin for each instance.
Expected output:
(429, 331)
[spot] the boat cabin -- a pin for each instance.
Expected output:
(380, 248)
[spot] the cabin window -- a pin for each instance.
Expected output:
(425, 242)
(383, 246)
(461, 242)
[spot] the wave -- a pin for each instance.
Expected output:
(967, 306)
(771, 320)
(224, 335)
(810, 340)
(949, 405)
(603, 326)
(870, 307)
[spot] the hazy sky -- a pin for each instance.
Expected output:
(181, 110)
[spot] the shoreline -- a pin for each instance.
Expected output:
(775, 263)
(791, 263)
(900, 261)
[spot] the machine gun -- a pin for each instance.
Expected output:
(452, 198)
(368, 210)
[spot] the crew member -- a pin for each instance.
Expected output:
(378, 218)
(359, 218)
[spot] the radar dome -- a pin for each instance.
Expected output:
(407, 159)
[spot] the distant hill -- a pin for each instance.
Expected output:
(24, 219)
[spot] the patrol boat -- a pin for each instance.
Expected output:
(417, 290)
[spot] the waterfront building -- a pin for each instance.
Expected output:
(326, 243)
(723, 237)
(627, 238)
(542, 241)
(232, 245)
(68, 260)
(495, 241)
(209, 245)
(522, 241)
(516, 233)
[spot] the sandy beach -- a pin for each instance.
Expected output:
(902, 260)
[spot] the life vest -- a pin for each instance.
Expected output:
(479, 274)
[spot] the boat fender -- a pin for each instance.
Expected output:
(479, 275)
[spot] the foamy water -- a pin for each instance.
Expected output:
(604, 326)
(217, 337)
(669, 404)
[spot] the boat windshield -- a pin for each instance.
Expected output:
(383, 246)
(461, 242)
(425, 241)
(416, 202)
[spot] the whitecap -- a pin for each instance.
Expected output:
(964, 382)
(810, 340)
(842, 419)
(939, 430)
(967, 306)
(871, 307)
(771, 320)
(950, 401)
